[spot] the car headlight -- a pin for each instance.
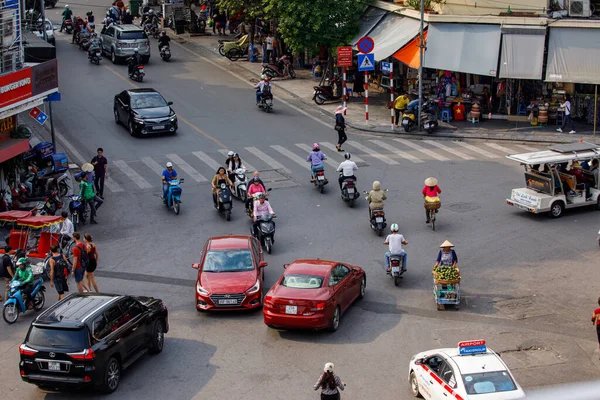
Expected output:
(201, 290)
(254, 288)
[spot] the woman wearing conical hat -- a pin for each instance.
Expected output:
(447, 256)
(431, 193)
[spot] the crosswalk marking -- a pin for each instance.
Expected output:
(396, 151)
(476, 150)
(249, 168)
(207, 160)
(187, 168)
(372, 153)
(449, 149)
(332, 147)
(527, 148)
(297, 159)
(134, 176)
(308, 149)
(153, 165)
(496, 146)
(423, 150)
(273, 163)
(112, 186)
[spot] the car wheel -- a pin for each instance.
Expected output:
(116, 113)
(556, 209)
(363, 287)
(158, 338)
(113, 56)
(335, 319)
(112, 376)
(131, 129)
(414, 384)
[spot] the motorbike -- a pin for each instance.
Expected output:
(69, 26)
(137, 74)
(266, 231)
(377, 220)
(78, 211)
(429, 119)
(225, 200)
(323, 93)
(95, 55)
(397, 270)
(85, 41)
(50, 205)
(15, 304)
(279, 70)
(240, 188)
(250, 205)
(165, 53)
(266, 100)
(349, 191)
(320, 180)
(174, 195)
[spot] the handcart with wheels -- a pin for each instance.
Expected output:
(446, 292)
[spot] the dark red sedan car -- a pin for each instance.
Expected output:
(313, 294)
(230, 275)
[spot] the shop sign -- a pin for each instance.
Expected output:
(15, 87)
(7, 127)
(386, 67)
(44, 77)
(344, 56)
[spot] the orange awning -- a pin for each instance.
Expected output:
(410, 54)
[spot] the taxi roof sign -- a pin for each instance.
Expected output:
(472, 347)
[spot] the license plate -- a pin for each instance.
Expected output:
(48, 204)
(350, 190)
(53, 366)
(379, 219)
(158, 127)
(320, 177)
(405, 122)
(141, 70)
(291, 309)
(396, 270)
(228, 301)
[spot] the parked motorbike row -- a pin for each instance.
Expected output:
(87, 41)
(429, 119)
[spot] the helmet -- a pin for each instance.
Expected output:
(164, 33)
(394, 228)
(127, 11)
(261, 196)
(347, 156)
(236, 155)
(316, 147)
(66, 6)
(151, 11)
(135, 50)
(169, 164)
(22, 260)
(230, 153)
(107, 13)
(94, 35)
(263, 76)
(89, 12)
(267, 78)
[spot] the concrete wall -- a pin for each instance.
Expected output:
(491, 7)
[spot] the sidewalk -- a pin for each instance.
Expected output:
(301, 89)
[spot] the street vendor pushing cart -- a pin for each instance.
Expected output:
(446, 256)
(446, 278)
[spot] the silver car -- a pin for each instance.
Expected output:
(119, 42)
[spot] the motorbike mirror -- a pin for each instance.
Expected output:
(181, 180)
(170, 103)
(262, 264)
(269, 189)
(285, 266)
(196, 266)
(54, 28)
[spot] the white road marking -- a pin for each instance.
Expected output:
(449, 149)
(264, 157)
(332, 147)
(372, 153)
(153, 165)
(476, 150)
(249, 168)
(134, 176)
(207, 160)
(503, 149)
(297, 159)
(187, 168)
(527, 148)
(396, 151)
(423, 150)
(308, 149)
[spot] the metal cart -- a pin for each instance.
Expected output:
(446, 293)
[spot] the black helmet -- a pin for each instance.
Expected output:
(347, 156)
(89, 12)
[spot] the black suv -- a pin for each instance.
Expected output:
(89, 339)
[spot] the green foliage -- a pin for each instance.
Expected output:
(310, 23)
(416, 4)
(250, 8)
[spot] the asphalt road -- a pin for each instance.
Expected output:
(526, 279)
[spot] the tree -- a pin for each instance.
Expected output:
(251, 9)
(313, 23)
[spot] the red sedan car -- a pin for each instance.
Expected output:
(313, 294)
(230, 275)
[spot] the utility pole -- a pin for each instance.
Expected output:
(43, 9)
(422, 56)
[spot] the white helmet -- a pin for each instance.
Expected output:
(169, 164)
(230, 153)
(394, 227)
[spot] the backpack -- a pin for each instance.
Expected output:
(85, 261)
(61, 269)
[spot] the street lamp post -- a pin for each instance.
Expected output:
(421, 56)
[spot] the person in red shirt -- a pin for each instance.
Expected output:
(581, 179)
(431, 192)
(596, 321)
(78, 268)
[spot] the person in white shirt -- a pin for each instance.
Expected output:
(567, 118)
(269, 40)
(395, 242)
(261, 88)
(66, 230)
(347, 169)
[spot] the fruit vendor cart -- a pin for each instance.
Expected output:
(446, 287)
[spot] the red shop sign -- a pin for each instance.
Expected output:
(15, 87)
(344, 54)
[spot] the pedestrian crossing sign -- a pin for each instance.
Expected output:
(366, 62)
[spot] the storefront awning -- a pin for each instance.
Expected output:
(368, 20)
(410, 54)
(392, 33)
(470, 48)
(12, 147)
(522, 55)
(573, 55)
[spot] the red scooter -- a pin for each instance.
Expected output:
(282, 69)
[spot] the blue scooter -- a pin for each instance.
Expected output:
(15, 304)
(174, 195)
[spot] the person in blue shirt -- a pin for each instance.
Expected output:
(413, 106)
(168, 174)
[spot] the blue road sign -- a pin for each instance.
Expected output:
(386, 66)
(366, 62)
(41, 118)
(53, 97)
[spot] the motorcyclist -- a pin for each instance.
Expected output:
(261, 207)
(115, 13)
(346, 170)
(163, 40)
(91, 19)
(413, 107)
(108, 21)
(232, 163)
(147, 18)
(265, 83)
(256, 186)
(168, 174)
(24, 274)
(77, 28)
(134, 61)
(127, 18)
(66, 14)
(219, 178)
(376, 198)
(395, 242)
(95, 44)
(316, 158)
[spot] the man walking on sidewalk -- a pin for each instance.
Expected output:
(567, 118)
(100, 164)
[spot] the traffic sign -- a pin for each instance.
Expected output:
(386, 67)
(365, 45)
(366, 62)
(344, 56)
(53, 97)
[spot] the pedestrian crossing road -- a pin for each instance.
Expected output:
(200, 166)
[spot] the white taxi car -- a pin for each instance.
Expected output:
(469, 371)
